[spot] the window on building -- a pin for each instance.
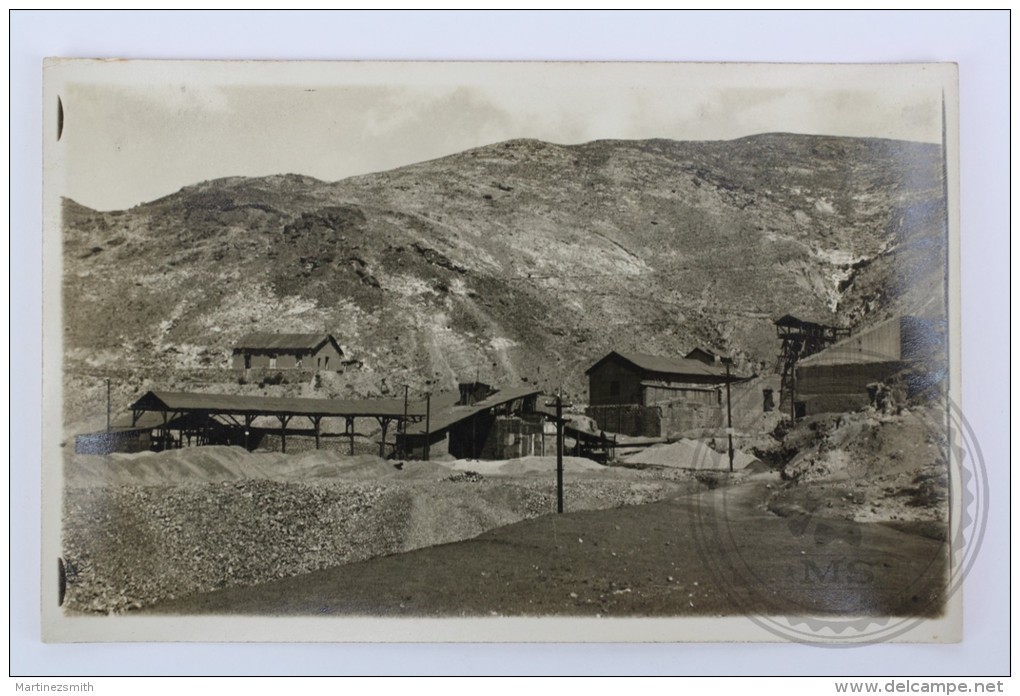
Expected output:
(272, 361)
(614, 390)
(326, 365)
(297, 361)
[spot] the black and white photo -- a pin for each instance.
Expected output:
(503, 351)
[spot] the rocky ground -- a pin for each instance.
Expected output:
(710, 554)
(868, 467)
(145, 528)
(150, 529)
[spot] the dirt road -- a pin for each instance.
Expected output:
(715, 553)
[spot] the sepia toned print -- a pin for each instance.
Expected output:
(503, 352)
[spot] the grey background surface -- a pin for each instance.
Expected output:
(978, 41)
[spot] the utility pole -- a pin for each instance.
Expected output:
(559, 449)
(428, 416)
(729, 412)
(403, 428)
(108, 406)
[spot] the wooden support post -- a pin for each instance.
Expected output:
(559, 450)
(248, 418)
(165, 431)
(315, 424)
(384, 423)
(729, 413)
(349, 430)
(403, 428)
(283, 432)
(559, 453)
(428, 423)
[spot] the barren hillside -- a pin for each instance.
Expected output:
(519, 261)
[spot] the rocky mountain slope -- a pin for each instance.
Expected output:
(518, 262)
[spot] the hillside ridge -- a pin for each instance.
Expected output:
(516, 262)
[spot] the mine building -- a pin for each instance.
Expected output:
(653, 396)
(906, 350)
(709, 357)
(287, 351)
(480, 422)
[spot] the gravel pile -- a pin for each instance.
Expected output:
(132, 546)
(467, 476)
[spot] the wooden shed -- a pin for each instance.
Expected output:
(650, 395)
(644, 380)
(483, 423)
(287, 351)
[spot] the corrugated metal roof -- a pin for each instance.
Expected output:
(443, 418)
(793, 322)
(851, 350)
(271, 405)
(149, 420)
(671, 366)
(662, 384)
(718, 355)
(282, 341)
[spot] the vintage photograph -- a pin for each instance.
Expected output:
(514, 351)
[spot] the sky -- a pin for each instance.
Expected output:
(136, 131)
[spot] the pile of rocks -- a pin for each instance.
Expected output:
(131, 546)
(466, 476)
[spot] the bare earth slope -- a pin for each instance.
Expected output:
(141, 529)
(518, 261)
(711, 554)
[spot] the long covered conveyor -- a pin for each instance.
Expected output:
(241, 411)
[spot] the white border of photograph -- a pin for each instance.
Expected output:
(528, 36)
